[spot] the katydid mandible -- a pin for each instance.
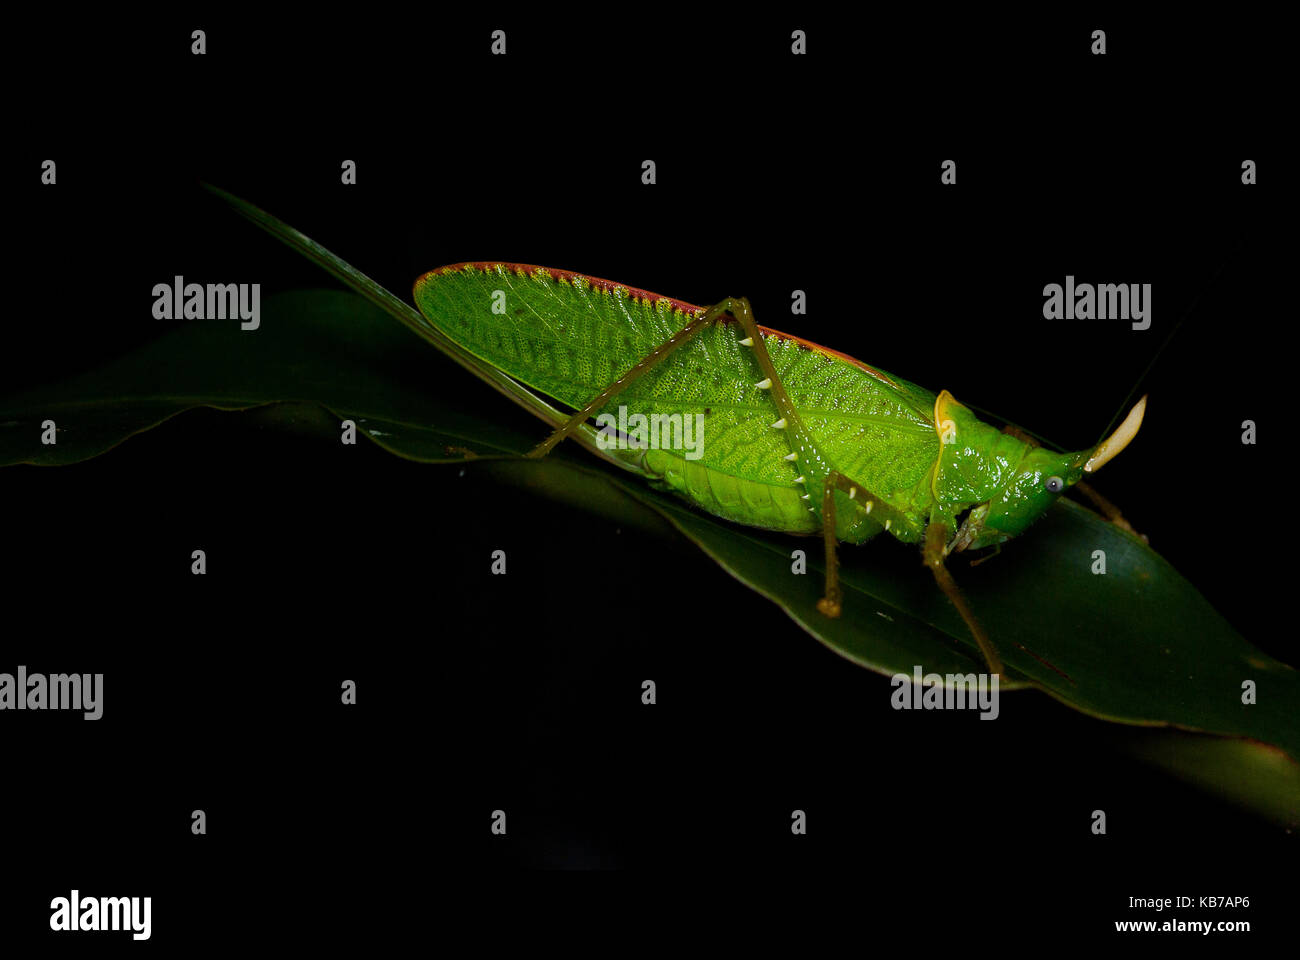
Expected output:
(798, 438)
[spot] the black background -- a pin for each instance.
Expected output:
(477, 692)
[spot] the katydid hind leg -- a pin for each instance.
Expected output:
(820, 479)
(814, 472)
(639, 369)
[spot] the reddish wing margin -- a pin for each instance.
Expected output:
(636, 293)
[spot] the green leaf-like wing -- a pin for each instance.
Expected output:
(569, 336)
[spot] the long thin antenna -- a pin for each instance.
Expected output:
(1196, 301)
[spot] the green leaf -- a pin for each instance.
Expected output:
(323, 347)
(1139, 644)
(408, 316)
(1256, 776)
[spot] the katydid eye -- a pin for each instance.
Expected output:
(1055, 484)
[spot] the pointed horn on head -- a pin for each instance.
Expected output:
(1118, 440)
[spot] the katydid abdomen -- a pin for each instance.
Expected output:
(764, 428)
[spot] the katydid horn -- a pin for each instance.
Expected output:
(1118, 440)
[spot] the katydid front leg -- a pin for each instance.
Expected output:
(933, 554)
(816, 472)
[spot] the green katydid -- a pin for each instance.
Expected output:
(801, 438)
(798, 438)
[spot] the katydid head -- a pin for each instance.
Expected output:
(1041, 477)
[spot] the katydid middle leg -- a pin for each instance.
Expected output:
(831, 602)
